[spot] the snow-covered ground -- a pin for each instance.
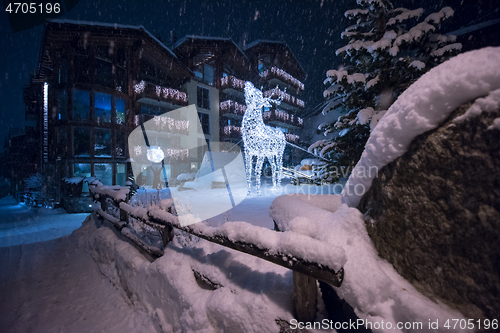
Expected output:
(21, 224)
(53, 284)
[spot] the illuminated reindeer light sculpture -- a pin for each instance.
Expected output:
(261, 140)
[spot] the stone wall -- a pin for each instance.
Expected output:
(434, 213)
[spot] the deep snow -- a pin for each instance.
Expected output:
(21, 224)
(422, 107)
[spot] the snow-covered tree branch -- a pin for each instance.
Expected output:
(388, 49)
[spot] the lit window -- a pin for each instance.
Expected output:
(82, 170)
(102, 107)
(121, 174)
(102, 142)
(120, 111)
(81, 105)
(104, 171)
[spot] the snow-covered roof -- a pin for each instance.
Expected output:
(116, 26)
(258, 41)
(185, 38)
(267, 41)
(226, 39)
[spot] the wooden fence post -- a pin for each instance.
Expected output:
(305, 294)
(103, 204)
(123, 214)
(167, 234)
(305, 297)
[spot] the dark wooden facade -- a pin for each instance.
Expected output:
(96, 82)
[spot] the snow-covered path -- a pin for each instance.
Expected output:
(55, 287)
(20, 224)
(50, 284)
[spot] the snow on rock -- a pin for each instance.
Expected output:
(371, 285)
(489, 103)
(422, 107)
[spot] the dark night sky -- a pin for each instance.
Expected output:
(310, 27)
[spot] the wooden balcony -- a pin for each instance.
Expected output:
(230, 132)
(275, 73)
(283, 119)
(232, 85)
(232, 109)
(163, 123)
(149, 90)
(288, 101)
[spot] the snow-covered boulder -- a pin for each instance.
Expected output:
(421, 108)
(434, 209)
(373, 290)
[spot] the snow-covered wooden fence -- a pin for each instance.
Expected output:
(308, 258)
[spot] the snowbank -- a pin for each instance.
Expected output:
(371, 285)
(249, 293)
(186, 176)
(422, 107)
(118, 193)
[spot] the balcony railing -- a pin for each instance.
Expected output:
(149, 90)
(163, 124)
(231, 132)
(234, 132)
(230, 82)
(231, 107)
(286, 97)
(283, 117)
(291, 138)
(275, 72)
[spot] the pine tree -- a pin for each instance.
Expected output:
(388, 49)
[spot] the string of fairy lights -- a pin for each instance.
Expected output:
(162, 92)
(284, 96)
(261, 141)
(282, 74)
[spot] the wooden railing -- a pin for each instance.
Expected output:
(162, 218)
